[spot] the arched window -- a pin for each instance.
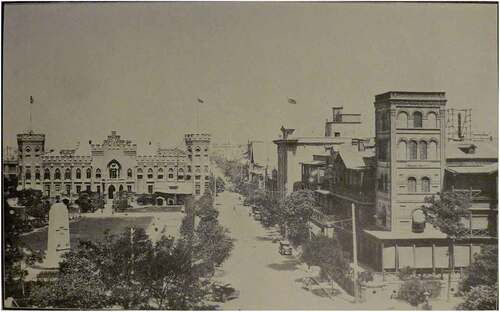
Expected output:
(189, 168)
(67, 174)
(206, 169)
(197, 149)
(170, 173)
(402, 120)
(89, 173)
(37, 174)
(57, 174)
(417, 120)
(426, 185)
(46, 174)
(402, 150)
(150, 173)
(413, 150)
(433, 151)
(114, 168)
(412, 185)
(98, 173)
(160, 173)
(129, 173)
(78, 173)
(27, 174)
(423, 150)
(180, 174)
(139, 170)
(432, 120)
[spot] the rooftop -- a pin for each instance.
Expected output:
(471, 150)
(411, 95)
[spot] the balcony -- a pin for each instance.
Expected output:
(321, 218)
(354, 194)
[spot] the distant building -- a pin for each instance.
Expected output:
(114, 166)
(229, 151)
(343, 125)
(292, 151)
(262, 161)
(10, 163)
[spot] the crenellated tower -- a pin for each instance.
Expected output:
(198, 149)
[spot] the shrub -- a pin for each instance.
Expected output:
(413, 290)
(481, 297)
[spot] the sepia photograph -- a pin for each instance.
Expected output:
(207, 155)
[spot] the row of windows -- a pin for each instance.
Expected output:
(404, 120)
(425, 185)
(417, 120)
(414, 150)
(113, 173)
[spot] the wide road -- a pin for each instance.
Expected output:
(265, 279)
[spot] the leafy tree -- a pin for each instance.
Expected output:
(268, 205)
(16, 253)
(483, 270)
(480, 284)
(326, 253)
(212, 244)
(446, 213)
(295, 212)
(482, 297)
(79, 283)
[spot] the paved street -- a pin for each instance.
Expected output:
(265, 279)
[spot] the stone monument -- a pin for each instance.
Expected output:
(58, 235)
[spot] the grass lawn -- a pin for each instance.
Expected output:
(154, 209)
(88, 229)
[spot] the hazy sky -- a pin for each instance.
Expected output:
(138, 68)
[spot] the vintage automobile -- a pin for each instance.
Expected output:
(285, 248)
(224, 292)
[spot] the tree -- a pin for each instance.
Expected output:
(268, 206)
(326, 253)
(447, 213)
(480, 284)
(212, 244)
(79, 283)
(482, 297)
(126, 270)
(16, 253)
(295, 212)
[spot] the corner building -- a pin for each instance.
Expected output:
(410, 133)
(114, 166)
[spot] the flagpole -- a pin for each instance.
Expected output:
(30, 108)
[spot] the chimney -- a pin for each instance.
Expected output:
(460, 126)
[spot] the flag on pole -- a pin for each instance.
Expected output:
(200, 100)
(292, 101)
(31, 99)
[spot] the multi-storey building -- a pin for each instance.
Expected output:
(115, 166)
(413, 160)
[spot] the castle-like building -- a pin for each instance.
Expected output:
(115, 166)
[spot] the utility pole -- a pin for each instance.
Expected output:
(215, 188)
(354, 254)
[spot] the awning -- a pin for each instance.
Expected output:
(487, 169)
(313, 163)
(323, 192)
(173, 188)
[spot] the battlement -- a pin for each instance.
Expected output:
(191, 137)
(31, 137)
(65, 158)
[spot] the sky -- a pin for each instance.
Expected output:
(139, 68)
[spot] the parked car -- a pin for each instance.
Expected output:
(224, 292)
(285, 248)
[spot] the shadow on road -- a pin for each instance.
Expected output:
(264, 238)
(287, 265)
